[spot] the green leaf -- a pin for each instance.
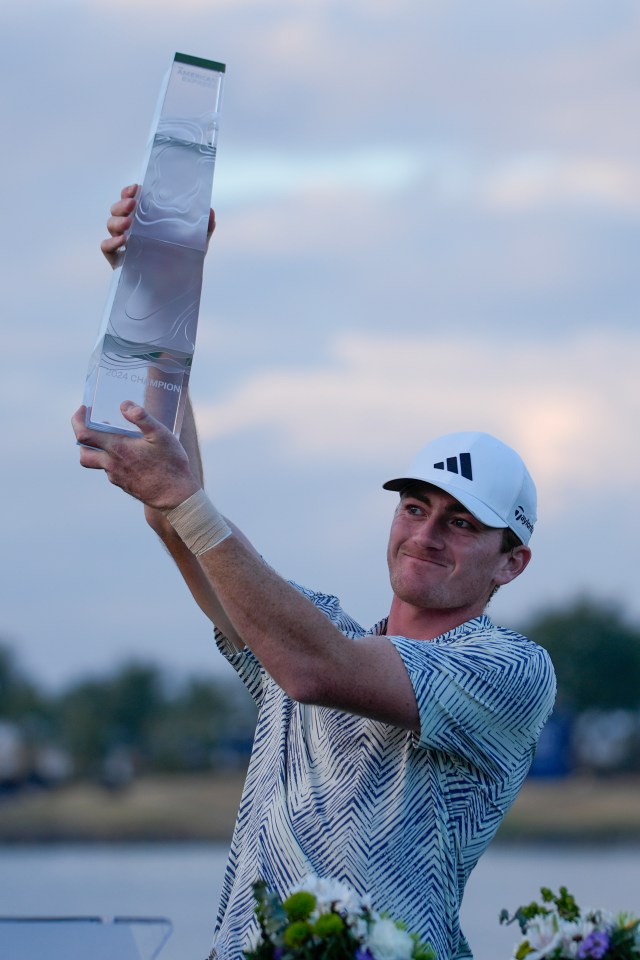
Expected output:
(270, 913)
(523, 950)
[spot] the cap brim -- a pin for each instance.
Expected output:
(476, 507)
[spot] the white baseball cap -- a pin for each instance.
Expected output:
(484, 474)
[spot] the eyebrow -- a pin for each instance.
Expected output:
(455, 507)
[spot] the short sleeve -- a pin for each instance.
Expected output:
(332, 609)
(484, 700)
(245, 663)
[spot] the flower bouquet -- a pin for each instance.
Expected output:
(557, 930)
(326, 920)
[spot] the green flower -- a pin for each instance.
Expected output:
(328, 925)
(299, 905)
(297, 933)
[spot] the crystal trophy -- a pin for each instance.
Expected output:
(147, 337)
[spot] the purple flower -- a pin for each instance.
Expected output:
(363, 953)
(278, 953)
(594, 945)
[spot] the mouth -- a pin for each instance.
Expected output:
(422, 559)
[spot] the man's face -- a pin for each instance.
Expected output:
(441, 558)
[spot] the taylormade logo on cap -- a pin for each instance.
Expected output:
(484, 474)
(523, 519)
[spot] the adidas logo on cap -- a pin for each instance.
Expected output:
(460, 464)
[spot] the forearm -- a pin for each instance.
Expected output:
(296, 643)
(188, 565)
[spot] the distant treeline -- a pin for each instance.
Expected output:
(596, 653)
(134, 721)
(113, 727)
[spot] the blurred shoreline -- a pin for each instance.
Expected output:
(203, 807)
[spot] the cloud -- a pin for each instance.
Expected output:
(254, 176)
(523, 182)
(530, 182)
(398, 391)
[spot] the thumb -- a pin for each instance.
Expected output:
(138, 416)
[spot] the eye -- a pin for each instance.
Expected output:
(462, 523)
(412, 508)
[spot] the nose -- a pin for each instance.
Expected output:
(429, 533)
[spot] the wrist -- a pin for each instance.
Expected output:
(198, 524)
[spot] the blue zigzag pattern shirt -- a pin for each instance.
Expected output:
(399, 816)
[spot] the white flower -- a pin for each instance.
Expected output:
(543, 935)
(329, 893)
(572, 934)
(388, 942)
(359, 928)
(603, 919)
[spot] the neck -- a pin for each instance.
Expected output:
(417, 623)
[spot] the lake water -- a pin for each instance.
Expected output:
(182, 882)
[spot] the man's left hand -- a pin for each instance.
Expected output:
(153, 467)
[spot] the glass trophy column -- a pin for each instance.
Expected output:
(147, 338)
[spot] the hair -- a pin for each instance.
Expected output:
(510, 540)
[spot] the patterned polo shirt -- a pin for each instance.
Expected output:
(399, 816)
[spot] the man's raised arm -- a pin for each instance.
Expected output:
(298, 646)
(295, 642)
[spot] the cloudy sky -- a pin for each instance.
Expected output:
(428, 220)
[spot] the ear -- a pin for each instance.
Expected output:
(513, 565)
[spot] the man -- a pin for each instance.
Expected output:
(385, 758)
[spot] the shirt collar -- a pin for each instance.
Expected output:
(475, 625)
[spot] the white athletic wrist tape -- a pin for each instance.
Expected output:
(198, 523)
